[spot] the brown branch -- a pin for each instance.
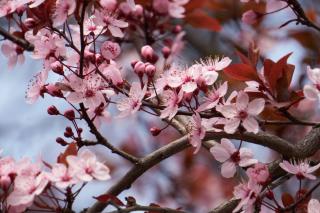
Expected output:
(19, 41)
(147, 208)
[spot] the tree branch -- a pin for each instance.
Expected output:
(19, 41)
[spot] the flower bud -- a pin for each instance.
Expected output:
(133, 63)
(68, 133)
(155, 131)
(30, 23)
(57, 67)
(177, 29)
(150, 70)
(52, 110)
(250, 17)
(166, 51)
(139, 68)
(69, 114)
(61, 141)
(20, 10)
(138, 11)
(147, 52)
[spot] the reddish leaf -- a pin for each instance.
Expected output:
(243, 58)
(193, 5)
(200, 19)
(107, 198)
(72, 149)
(242, 72)
(287, 199)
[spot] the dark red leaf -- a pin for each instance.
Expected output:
(242, 72)
(200, 19)
(287, 199)
(107, 198)
(72, 149)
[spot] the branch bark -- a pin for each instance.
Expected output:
(19, 41)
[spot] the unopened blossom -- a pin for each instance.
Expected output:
(313, 206)
(13, 52)
(312, 91)
(213, 98)
(301, 169)
(171, 101)
(37, 87)
(250, 17)
(113, 24)
(63, 9)
(130, 105)
(230, 157)
(62, 176)
(243, 112)
(87, 167)
(110, 50)
(109, 5)
(259, 173)
(26, 188)
(197, 133)
(248, 194)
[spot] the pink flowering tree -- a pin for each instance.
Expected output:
(111, 60)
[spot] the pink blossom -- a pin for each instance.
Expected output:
(248, 194)
(112, 72)
(62, 176)
(301, 169)
(249, 17)
(109, 5)
(312, 91)
(88, 167)
(25, 167)
(214, 97)
(216, 64)
(7, 168)
(230, 157)
(130, 105)
(99, 115)
(92, 27)
(243, 112)
(259, 173)
(171, 101)
(13, 52)
(63, 9)
(110, 50)
(113, 24)
(313, 206)
(37, 87)
(198, 132)
(173, 7)
(26, 188)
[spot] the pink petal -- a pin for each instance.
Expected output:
(313, 206)
(310, 92)
(115, 31)
(251, 124)
(220, 153)
(242, 101)
(223, 63)
(228, 169)
(231, 125)
(256, 106)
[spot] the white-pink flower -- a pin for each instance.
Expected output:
(301, 169)
(13, 52)
(197, 133)
(62, 176)
(312, 91)
(91, 27)
(216, 64)
(110, 50)
(113, 24)
(248, 194)
(214, 97)
(87, 167)
(63, 9)
(171, 101)
(313, 206)
(7, 168)
(230, 157)
(259, 173)
(243, 112)
(130, 105)
(37, 87)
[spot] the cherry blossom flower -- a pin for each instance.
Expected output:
(13, 52)
(198, 132)
(63, 9)
(173, 7)
(216, 64)
(130, 105)
(230, 157)
(110, 50)
(26, 188)
(25, 167)
(259, 173)
(248, 194)
(113, 24)
(171, 101)
(7, 168)
(243, 112)
(89, 90)
(37, 87)
(62, 176)
(312, 92)
(91, 27)
(313, 206)
(109, 5)
(214, 97)
(112, 72)
(88, 167)
(301, 169)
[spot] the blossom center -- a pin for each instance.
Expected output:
(89, 93)
(235, 157)
(243, 114)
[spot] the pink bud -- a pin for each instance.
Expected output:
(52, 110)
(69, 114)
(139, 68)
(54, 91)
(109, 5)
(138, 10)
(30, 23)
(133, 63)
(20, 10)
(57, 67)
(150, 70)
(155, 131)
(166, 51)
(110, 50)
(250, 17)
(147, 52)
(177, 29)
